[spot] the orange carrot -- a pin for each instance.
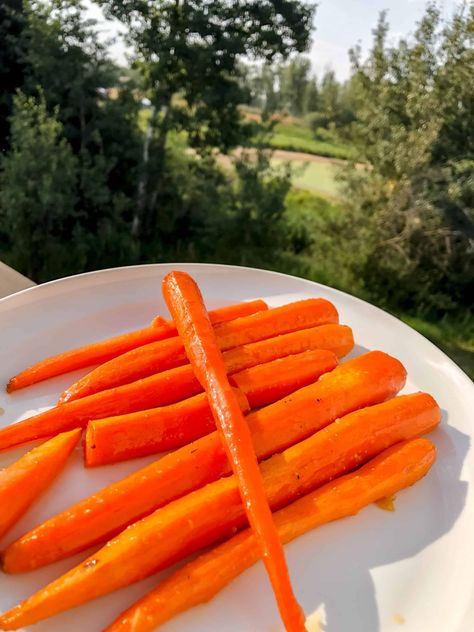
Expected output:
(23, 481)
(200, 580)
(115, 439)
(157, 390)
(215, 511)
(267, 383)
(105, 350)
(163, 355)
(231, 312)
(160, 429)
(192, 321)
(363, 381)
(167, 387)
(335, 338)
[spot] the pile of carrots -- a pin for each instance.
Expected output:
(268, 436)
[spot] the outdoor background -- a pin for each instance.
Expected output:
(334, 143)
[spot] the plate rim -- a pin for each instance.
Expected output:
(146, 266)
(452, 369)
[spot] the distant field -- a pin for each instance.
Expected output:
(294, 135)
(317, 177)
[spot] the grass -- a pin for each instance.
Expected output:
(454, 337)
(315, 177)
(297, 137)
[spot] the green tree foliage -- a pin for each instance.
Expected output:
(413, 209)
(12, 66)
(189, 52)
(38, 184)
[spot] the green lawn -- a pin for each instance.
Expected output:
(316, 177)
(298, 137)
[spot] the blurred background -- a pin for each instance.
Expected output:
(332, 142)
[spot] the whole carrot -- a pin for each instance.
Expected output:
(160, 429)
(164, 388)
(157, 390)
(167, 354)
(360, 382)
(23, 481)
(215, 511)
(123, 437)
(200, 580)
(105, 350)
(190, 315)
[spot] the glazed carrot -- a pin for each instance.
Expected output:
(215, 511)
(23, 481)
(363, 381)
(267, 383)
(105, 350)
(157, 390)
(163, 355)
(164, 388)
(160, 429)
(335, 338)
(87, 355)
(115, 439)
(200, 580)
(190, 316)
(230, 312)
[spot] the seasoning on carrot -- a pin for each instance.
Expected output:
(23, 481)
(358, 383)
(161, 429)
(105, 350)
(190, 316)
(213, 512)
(201, 579)
(163, 355)
(123, 437)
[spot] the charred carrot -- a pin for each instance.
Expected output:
(190, 316)
(169, 427)
(363, 381)
(163, 355)
(200, 580)
(105, 350)
(214, 511)
(23, 481)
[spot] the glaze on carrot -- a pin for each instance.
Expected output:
(161, 429)
(147, 432)
(157, 390)
(362, 381)
(190, 316)
(22, 482)
(201, 579)
(163, 355)
(104, 350)
(213, 512)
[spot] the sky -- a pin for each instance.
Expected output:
(339, 25)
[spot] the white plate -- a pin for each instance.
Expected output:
(370, 572)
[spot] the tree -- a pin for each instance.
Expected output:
(12, 66)
(413, 209)
(295, 78)
(189, 53)
(38, 180)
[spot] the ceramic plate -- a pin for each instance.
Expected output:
(407, 571)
